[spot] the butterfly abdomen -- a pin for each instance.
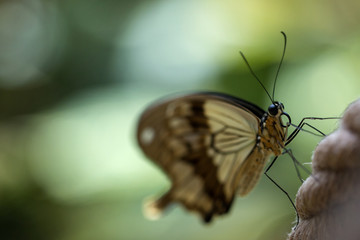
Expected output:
(251, 171)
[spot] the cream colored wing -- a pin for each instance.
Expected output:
(201, 141)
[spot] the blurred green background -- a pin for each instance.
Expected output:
(75, 76)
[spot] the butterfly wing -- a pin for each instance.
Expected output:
(201, 141)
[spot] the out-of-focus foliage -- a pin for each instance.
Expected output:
(75, 75)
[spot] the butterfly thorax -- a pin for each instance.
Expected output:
(272, 134)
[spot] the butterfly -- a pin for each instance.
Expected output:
(212, 146)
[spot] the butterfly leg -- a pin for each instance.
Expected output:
(302, 123)
(297, 164)
(288, 196)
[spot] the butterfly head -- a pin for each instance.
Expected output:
(276, 109)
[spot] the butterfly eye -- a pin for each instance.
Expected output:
(273, 109)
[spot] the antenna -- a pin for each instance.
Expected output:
(281, 61)
(252, 73)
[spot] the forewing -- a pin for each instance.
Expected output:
(200, 141)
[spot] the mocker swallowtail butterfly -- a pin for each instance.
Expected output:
(212, 146)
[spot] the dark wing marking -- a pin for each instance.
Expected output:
(201, 142)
